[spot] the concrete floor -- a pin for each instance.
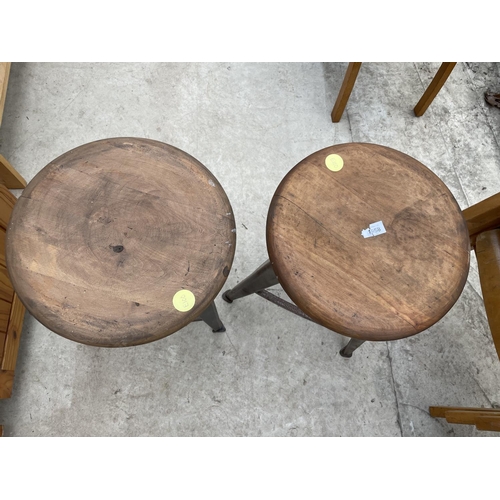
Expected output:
(271, 373)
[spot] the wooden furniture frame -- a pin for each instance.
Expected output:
(4, 80)
(11, 309)
(485, 419)
(483, 224)
(8, 174)
(422, 105)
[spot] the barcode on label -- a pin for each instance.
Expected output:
(375, 229)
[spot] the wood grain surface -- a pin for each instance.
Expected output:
(4, 81)
(440, 411)
(385, 287)
(13, 336)
(485, 419)
(10, 176)
(11, 309)
(345, 90)
(434, 87)
(7, 202)
(488, 263)
(105, 235)
(6, 383)
(483, 216)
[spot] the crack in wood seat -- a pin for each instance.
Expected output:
(105, 235)
(386, 287)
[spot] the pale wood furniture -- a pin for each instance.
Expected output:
(11, 309)
(488, 260)
(483, 216)
(4, 80)
(9, 176)
(483, 223)
(485, 419)
(384, 287)
(120, 242)
(345, 90)
(420, 108)
(434, 87)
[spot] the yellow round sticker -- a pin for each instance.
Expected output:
(183, 300)
(334, 162)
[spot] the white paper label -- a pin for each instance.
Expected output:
(374, 230)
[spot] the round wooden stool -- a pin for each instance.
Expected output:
(120, 242)
(366, 241)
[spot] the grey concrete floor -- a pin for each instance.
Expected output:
(271, 373)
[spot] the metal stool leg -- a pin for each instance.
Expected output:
(261, 278)
(211, 317)
(352, 345)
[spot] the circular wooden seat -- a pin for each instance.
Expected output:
(384, 287)
(120, 242)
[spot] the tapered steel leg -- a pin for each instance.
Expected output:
(211, 317)
(352, 345)
(261, 278)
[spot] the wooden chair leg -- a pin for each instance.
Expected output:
(488, 262)
(345, 90)
(434, 87)
(1, 431)
(486, 419)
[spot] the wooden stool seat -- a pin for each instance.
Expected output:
(120, 242)
(383, 287)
